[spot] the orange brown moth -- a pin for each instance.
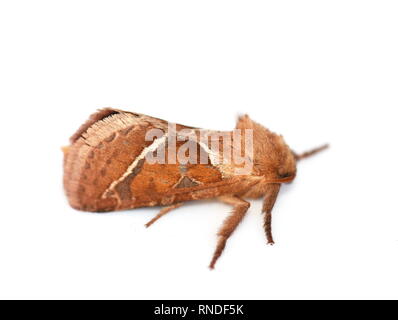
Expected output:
(112, 165)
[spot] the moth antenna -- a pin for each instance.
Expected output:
(310, 152)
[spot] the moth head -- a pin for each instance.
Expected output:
(272, 157)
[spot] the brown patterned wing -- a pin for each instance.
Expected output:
(168, 183)
(107, 168)
(101, 151)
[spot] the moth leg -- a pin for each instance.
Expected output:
(230, 224)
(162, 212)
(271, 193)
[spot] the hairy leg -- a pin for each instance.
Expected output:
(164, 211)
(240, 208)
(271, 194)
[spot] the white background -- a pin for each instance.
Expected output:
(314, 71)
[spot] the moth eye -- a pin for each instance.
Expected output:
(284, 175)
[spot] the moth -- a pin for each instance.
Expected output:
(120, 160)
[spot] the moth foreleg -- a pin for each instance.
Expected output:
(271, 193)
(164, 211)
(230, 224)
